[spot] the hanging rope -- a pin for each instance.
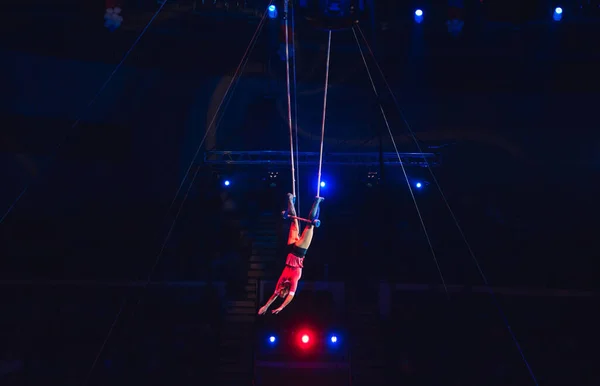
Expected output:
(324, 113)
(289, 98)
(295, 93)
(172, 226)
(460, 230)
(412, 194)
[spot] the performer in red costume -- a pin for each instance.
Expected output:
(297, 246)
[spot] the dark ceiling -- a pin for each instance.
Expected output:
(503, 53)
(188, 38)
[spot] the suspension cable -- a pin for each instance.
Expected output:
(324, 113)
(172, 226)
(412, 194)
(453, 215)
(86, 108)
(289, 100)
(295, 93)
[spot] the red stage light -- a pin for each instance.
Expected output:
(305, 339)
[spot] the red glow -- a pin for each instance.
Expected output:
(305, 339)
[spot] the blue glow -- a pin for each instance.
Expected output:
(322, 184)
(419, 185)
(558, 12)
(334, 339)
(418, 16)
(272, 11)
(227, 183)
(272, 339)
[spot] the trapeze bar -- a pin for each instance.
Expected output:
(282, 158)
(287, 216)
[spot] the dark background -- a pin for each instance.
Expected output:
(510, 105)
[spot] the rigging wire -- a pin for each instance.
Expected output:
(295, 105)
(412, 194)
(324, 113)
(86, 108)
(289, 100)
(172, 226)
(238, 71)
(452, 214)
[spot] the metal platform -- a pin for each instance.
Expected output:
(282, 158)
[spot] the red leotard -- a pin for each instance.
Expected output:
(292, 272)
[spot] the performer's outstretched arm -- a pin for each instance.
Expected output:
(288, 300)
(264, 308)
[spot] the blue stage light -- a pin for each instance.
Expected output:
(226, 183)
(558, 12)
(334, 339)
(272, 10)
(418, 16)
(272, 339)
(322, 184)
(419, 185)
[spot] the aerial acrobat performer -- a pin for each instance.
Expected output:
(297, 246)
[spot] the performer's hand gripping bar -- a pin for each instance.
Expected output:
(287, 216)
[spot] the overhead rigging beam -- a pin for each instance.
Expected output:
(282, 158)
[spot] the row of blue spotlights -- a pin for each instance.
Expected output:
(419, 15)
(416, 184)
(228, 183)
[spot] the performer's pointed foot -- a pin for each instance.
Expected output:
(291, 204)
(291, 198)
(314, 212)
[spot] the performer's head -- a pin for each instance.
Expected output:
(284, 289)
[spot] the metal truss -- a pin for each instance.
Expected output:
(282, 158)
